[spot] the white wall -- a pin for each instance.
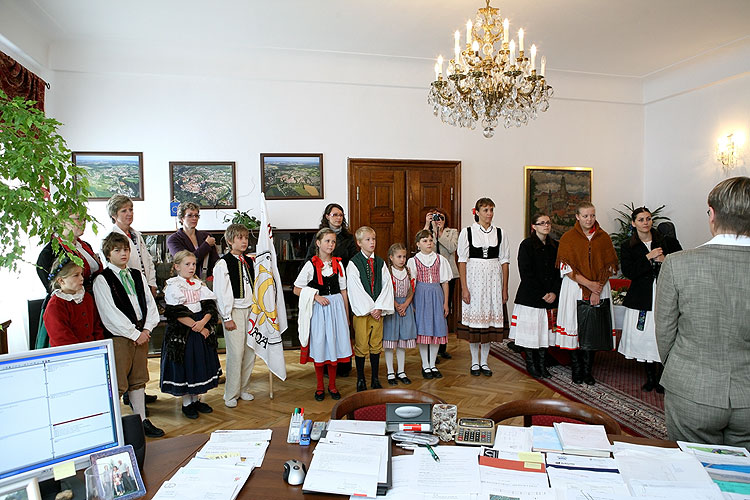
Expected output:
(222, 109)
(687, 114)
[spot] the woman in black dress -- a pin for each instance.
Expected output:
(642, 256)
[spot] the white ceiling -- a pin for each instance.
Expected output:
(617, 37)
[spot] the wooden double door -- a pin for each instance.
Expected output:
(394, 196)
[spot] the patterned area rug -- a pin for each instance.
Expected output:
(617, 391)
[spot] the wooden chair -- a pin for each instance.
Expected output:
(547, 411)
(370, 405)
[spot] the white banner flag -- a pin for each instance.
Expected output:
(268, 313)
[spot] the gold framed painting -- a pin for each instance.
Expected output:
(555, 191)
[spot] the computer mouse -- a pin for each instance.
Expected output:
(294, 472)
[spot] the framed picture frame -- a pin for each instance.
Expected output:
(112, 173)
(208, 184)
(555, 191)
(126, 477)
(292, 176)
(27, 489)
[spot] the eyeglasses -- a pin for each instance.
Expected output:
(708, 212)
(546, 223)
(335, 215)
(193, 216)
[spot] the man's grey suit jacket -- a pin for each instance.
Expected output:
(703, 325)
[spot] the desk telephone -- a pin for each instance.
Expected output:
(475, 431)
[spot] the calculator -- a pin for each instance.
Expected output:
(475, 431)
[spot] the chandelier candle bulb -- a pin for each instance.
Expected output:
(440, 64)
(457, 47)
(475, 47)
(533, 58)
(468, 32)
(506, 25)
(544, 65)
(520, 40)
(437, 71)
(512, 47)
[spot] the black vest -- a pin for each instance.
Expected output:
(330, 284)
(121, 299)
(478, 252)
(233, 268)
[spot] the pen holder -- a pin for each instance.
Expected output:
(444, 421)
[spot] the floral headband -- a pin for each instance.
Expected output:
(54, 272)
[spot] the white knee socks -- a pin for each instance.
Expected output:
(401, 357)
(389, 360)
(433, 354)
(424, 353)
(474, 349)
(485, 353)
(138, 400)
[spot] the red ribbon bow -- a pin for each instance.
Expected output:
(318, 265)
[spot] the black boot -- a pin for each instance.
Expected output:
(530, 365)
(540, 361)
(361, 384)
(588, 366)
(375, 367)
(650, 384)
(576, 366)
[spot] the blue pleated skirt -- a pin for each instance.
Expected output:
(428, 302)
(329, 332)
(400, 331)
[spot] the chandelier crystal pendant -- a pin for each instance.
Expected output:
(487, 85)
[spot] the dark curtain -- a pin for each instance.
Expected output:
(17, 81)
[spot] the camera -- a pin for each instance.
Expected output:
(437, 216)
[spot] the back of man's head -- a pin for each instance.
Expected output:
(730, 200)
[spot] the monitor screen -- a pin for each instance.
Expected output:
(57, 404)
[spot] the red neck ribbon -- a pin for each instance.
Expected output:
(318, 265)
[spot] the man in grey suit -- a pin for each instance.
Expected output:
(703, 326)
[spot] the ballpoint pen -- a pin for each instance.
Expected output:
(432, 452)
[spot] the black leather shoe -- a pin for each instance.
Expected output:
(486, 370)
(334, 394)
(202, 407)
(403, 378)
(392, 379)
(361, 385)
(320, 395)
(476, 371)
(375, 384)
(436, 373)
(189, 411)
(445, 355)
(150, 430)
(150, 398)
(427, 373)
(588, 379)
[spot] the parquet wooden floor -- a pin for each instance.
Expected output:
(474, 396)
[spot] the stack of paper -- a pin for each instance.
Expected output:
(593, 475)
(349, 464)
(545, 439)
(728, 466)
(220, 468)
(512, 438)
(583, 439)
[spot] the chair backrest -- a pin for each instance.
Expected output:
(564, 410)
(370, 405)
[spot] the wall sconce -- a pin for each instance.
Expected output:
(727, 149)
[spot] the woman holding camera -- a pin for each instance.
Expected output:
(446, 243)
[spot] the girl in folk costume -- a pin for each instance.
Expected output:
(483, 266)
(189, 363)
(324, 312)
(70, 316)
(642, 256)
(586, 259)
(532, 325)
(400, 328)
(432, 272)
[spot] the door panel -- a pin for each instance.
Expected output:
(381, 206)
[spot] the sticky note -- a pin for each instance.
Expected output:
(532, 465)
(64, 469)
(531, 456)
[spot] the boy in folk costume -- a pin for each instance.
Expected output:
(234, 276)
(587, 259)
(370, 297)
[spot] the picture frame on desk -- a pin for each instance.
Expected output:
(22, 490)
(112, 173)
(126, 476)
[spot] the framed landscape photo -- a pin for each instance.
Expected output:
(122, 465)
(556, 191)
(208, 184)
(289, 176)
(112, 173)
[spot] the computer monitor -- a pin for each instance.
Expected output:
(56, 405)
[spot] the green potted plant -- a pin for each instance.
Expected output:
(244, 218)
(39, 184)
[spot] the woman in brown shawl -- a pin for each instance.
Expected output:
(586, 258)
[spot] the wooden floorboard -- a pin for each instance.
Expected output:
(474, 396)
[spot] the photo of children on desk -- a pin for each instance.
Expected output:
(126, 478)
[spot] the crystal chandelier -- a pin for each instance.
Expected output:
(489, 86)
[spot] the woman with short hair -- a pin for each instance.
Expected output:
(120, 210)
(188, 237)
